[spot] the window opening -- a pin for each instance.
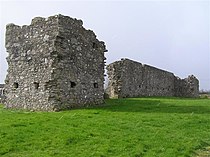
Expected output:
(36, 85)
(95, 85)
(15, 85)
(94, 45)
(73, 84)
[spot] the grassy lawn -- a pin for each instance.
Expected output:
(135, 127)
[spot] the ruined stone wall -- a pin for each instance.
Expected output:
(30, 62)
(79, 69)
(2, 93)
(49, 65)
(1, 90)
(188, 87)
(128, 78)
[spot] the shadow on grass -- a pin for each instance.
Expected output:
(155, 106)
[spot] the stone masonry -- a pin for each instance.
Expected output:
(54, 64)
(128, 78)
(1, 90)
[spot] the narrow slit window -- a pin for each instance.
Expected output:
(95, 85)
(94, 45)
(73, 84)
(36, 85)
(15, 85)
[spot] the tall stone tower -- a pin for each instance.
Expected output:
(54, 64)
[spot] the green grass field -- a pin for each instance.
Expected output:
(135, 127)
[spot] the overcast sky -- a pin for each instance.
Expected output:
(171, 35)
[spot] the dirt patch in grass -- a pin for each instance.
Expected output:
(204, 152)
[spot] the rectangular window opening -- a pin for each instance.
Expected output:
(36, 85)
(95, 85)
(73, 84)
(15, 85)
(95, 45)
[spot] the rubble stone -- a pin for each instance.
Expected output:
(54, 64)
(128, 78)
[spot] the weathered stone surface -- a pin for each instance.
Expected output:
(54, 64)
(2, 93)
(128, 78)
(188, 87)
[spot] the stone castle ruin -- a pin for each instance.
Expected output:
(128, 78)
(54, 63)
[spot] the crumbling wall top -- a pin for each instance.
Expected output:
(126, 60)
(54, 63)
(128, 78)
